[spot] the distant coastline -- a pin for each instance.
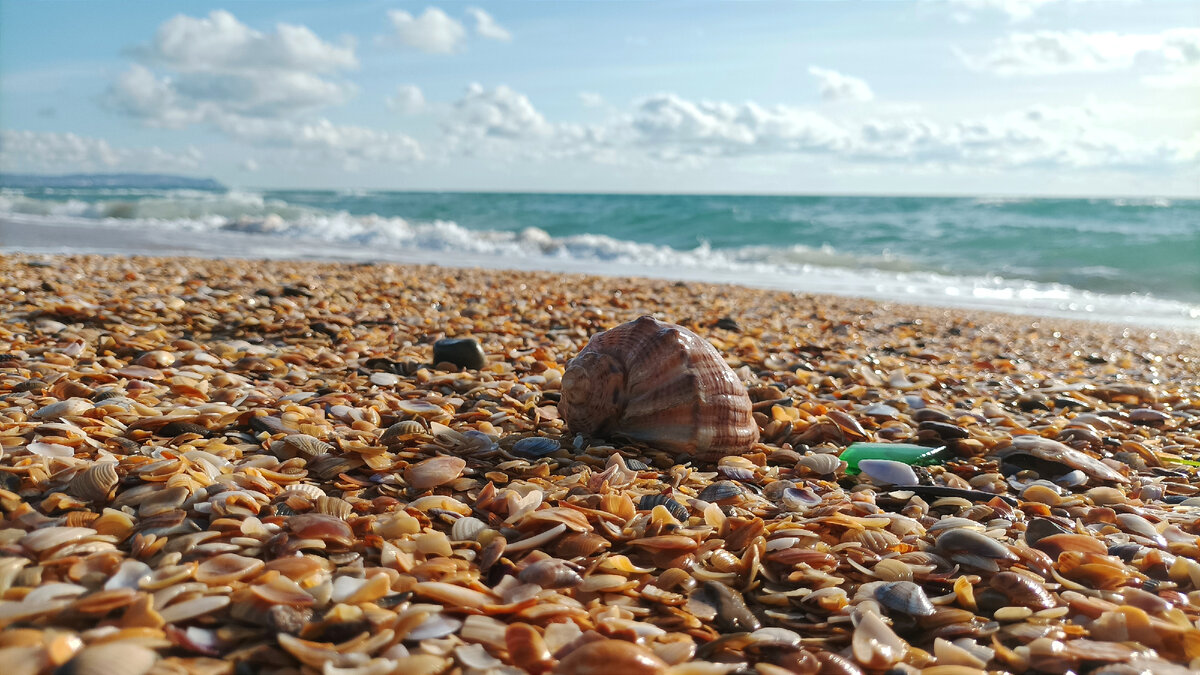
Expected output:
(146, 181)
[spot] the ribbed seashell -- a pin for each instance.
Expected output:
(821, 464)
(333, 506)
(648, 502)
(303, 445)
(402, 431)
(904, 596)
(309, 490)
(1023, 591)
(467, 528)
(661, 384)
(720, 491)
(96, 483)
(535, 447)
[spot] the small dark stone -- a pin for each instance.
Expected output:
(179, 428)
(462, 352)
(728, 323)
(297, 292)
(1095, 358)
(732, 614)
(944, 430)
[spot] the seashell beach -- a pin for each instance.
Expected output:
(222, 466)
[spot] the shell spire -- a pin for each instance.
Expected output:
(659, 383)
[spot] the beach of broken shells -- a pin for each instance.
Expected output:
(220, 466)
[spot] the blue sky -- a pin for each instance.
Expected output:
(1079, 97)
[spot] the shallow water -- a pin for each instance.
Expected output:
(1134, 261)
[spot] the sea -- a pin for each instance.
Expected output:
(1129, 261)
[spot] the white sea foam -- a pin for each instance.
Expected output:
(247, 225)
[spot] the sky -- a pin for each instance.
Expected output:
(931, 97)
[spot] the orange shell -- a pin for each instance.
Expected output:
(661, 384)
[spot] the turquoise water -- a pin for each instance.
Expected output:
(1111, 247)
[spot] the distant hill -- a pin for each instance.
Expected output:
(109, 180)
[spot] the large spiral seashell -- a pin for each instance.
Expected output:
(661, 384)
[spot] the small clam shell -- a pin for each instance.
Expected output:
(551, 573)
(1133, 523)
(888, 472)
(130, 574)
(434, 471)
(527, 647)
(973, 542)
(307, 446)
(332, 506)
(467, 528)
(611, 656)
(720, 491)
(821, 464)
(798, 499)
(890, 569)
(189, 609)
(1022, 590)
(96, 483)
(874, 645)
(72, 407)
(535, 447)
(227, 567)
(648, 502)
(453, 595)
(402, 431)
(1040, 528)
(113, 658)
(904, 596)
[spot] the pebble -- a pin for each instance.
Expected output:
(462, 352)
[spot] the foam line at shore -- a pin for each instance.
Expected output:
(451, 246)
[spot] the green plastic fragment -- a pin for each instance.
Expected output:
(899, 452)
(1177, 460)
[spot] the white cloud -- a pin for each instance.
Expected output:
(220, 66)
(504, 124)
(53, 152)
(256, 88)
(675, 127)
(433, 32)
(249, 164)
(408, 100)
(591, 99)
(1053, 52)
(835, 86)
(345, 143)
(221, 43)
(486, 26)
(496, 113)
